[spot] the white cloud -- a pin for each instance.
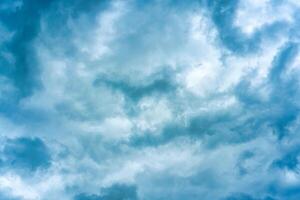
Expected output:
(153, 115)
(203, 79)
(15, 186)
(255, 14)
(95, 43)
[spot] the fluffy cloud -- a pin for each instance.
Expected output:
(149, 100)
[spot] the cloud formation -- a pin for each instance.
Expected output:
(149, 100)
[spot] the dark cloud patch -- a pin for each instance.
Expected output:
(26, 154)
(284, 107)
(283, 59)
(25, 23)
(137, 92)
(87, 197)
(289, 160)
(244, 156)
(87, 6)
(115, 192)
(197, 128)
(242, 196)
(247, 95)
(281, 108)
(83, 12)
(223, 15)
(212, 128)
(281, 191)
(160, 83)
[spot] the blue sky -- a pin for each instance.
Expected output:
(149, 100)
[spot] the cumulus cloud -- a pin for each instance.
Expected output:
(149, 100)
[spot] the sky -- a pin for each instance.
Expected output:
(149, 100)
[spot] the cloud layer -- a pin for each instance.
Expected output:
(139, 100)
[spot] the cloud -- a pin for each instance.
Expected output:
(5, 197)
(114, 192)
(139, 100)
(25, 154)
(245, 197)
